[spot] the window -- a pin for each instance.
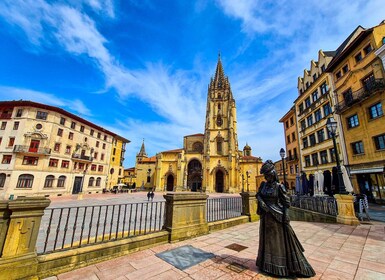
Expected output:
(291, 169)
(314, 77)
(49, 181)
(323, 68)
(358, 57)
(358, 148)
(97, 144)
(57, 147)
(324, 88)
(312, 139)
(291, 121)
(310, 120)
(345, 69)
(93, 167)
(305, 142)
(327, 110)
(338, 75)
(98, 182)
(68, 149)
(65, 164)
(367, 49)
(99, 134)
(92, 132)
(113, 159)
(11, 141)
(96, 155)
(148, 179)
(287, 124)
(303, 124)
(81, 166)
(375, 111)
(2, 180)
(324, 157)
(71, 136)
(3, 125)
(41, 115)
(321, 135)
(15, 125)
(61, 181)
(102, 157)
(307, 102)
(82, 128)
(73, 125)
(219, 147)
(114, 151)
(100, 168)
(19, 113)
(60, 132)
(307, 84)
(332, 154)
(6, 159)
(30, 160)
(369, 82)
(91, 181)
(288, 138)
(300, 108)
(307, 161)
(25, 181)
(314, 158)
(105, 138)
(53, 162)
(318, 115)
(62, 121)
(293, 136)
(379, 141)
(104, 145)
(315, 96)
(353, 121)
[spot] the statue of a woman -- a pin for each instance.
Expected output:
(280, 253)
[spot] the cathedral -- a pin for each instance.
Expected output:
(208, 162)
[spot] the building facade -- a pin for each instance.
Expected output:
(358, 75)
(116, 169)
(48, 151)
(209, 161)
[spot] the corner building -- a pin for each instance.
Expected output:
(210, 161)
(47, 151)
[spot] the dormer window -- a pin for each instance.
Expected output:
(368, 49)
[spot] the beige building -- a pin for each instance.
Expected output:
(48, 151)
(116, 169)
(210, 161)
(360, 92)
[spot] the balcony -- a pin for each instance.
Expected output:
(31, 151)
(82, 158)
(357, 96)
(291, 158)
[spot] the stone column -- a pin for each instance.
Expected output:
(249, 206)
(346, 214)
(185, 215)
(19, 258)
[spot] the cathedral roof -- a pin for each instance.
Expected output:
(142, 151)
(149, 160)
(173, 151)
(198, 134)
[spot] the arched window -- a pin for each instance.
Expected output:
(49, 181)
(197, 147)
(98, 181)
(219, 146)
(2, 180)
(91, 181)
(25, 181)
(61, 181)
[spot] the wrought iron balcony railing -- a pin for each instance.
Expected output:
(29, 150)
(357, 96)
(81, 157)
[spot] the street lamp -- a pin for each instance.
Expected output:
(282, 154)
(331, 126)
(247, 179)
(243, 183)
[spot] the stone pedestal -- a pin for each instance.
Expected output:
(346, 214)
(185, 215)
(4, 221)
(249, 206)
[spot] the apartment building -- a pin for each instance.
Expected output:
(116, 169)
(45, 150)
(358, 75)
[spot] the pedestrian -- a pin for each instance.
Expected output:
(280, 253)
(148, 195)
(152, 195)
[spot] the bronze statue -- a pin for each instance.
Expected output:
(280, 253)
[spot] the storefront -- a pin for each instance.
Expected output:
(371, 182)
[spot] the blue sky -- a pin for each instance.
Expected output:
(141, 68)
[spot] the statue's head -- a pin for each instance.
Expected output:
(268, 170)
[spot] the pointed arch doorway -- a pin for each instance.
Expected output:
(170, 183)
(219, 181)
(194, 176)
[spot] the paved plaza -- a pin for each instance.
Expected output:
(335, 251)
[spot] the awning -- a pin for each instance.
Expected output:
(367, 170)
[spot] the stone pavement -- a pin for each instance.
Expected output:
(335, 251)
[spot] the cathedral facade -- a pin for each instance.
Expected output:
(208, 162)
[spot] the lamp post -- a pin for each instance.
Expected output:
(247, 179)
(282, 154)
(331, 126)
(243, 182)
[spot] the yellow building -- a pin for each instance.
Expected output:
(116, 169)
(292, 162)
(129, 177)
(359, 88)
(208, 162)
(48, 151)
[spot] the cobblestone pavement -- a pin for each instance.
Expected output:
(335, 251)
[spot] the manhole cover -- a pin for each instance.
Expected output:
(236, 247)
(236, 267)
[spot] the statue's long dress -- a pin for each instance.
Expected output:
(280, 252)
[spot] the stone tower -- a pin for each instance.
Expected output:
(221, 159)
(142, 153)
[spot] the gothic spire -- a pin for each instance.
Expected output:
(142, 151)
(219, 78)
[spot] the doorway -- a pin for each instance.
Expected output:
(170, 183)
(219, 181)
(34, 146)
(77, 185)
